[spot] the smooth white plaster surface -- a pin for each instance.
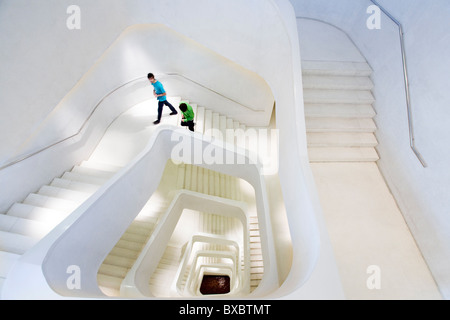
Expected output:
(367, 229)
(274, 55)
(422, 194)
(365, 224)
(323, 42)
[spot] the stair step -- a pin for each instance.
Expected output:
(110, 292)
(120, 261)
(340, 125)
(140, 227)
(256, 264)
(341, 139)
(74, 185)
(50, 202)
(100, 166)
(171, 253)
(159, 290)
(223, 126)
(161, 280)
(337, 82)
(171, 120)
(255, 257)
(16, 243)
(113, 271)
(338, 96)
(109, 285)
(194, 173)
(195, 109)
(256, 276)
(342, 154)
(149, 216)
(154, 208)
(7, 222)
(200, 186)
(256, 272)
(255, 245)
(256, 251)
(216, 125)
(188, 176)
(200, 120)
(135, 238)
(168, 264)
(129, 245)
(336, 68)
(230, 138)
(339, 111)
(62, 193)
(31, 228)
(208, 124)
(73, 176)
(46, 215)
(93, 172)
(150, 219)
(181, 174)
(125, 253)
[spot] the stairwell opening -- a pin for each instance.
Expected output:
(216, 272)
(215, 284)
(213, 211)
(205, 256)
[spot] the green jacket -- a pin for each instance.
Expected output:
(189, 114)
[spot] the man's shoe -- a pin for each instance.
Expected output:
(173, 113)
(156, 122)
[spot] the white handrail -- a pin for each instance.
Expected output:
(149, 257)
(27, 156)
(78, 240)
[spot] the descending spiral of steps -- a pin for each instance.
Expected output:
(193, 178)
(25, 223)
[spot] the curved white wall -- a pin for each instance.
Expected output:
(155, 48)
(133, 55)
(273, 55)
(81, 241)
(23, 178)
(146, 263)
(42, 60)
(422, 194)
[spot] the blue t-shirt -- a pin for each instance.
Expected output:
(159, 90)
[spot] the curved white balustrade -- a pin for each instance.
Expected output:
(81, 241)
(84, 239)
(135, 284)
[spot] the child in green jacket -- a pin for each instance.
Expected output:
(187, 115)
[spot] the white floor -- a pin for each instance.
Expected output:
(376, 254)
(367, 229)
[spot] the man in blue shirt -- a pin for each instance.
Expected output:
(161, 95)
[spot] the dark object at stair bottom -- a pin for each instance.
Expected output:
(215, 285)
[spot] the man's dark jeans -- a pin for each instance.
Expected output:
(160, 108)
(189, 124)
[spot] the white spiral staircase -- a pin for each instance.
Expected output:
(27, 222)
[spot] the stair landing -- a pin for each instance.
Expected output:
(364, 223)
(367, 230)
